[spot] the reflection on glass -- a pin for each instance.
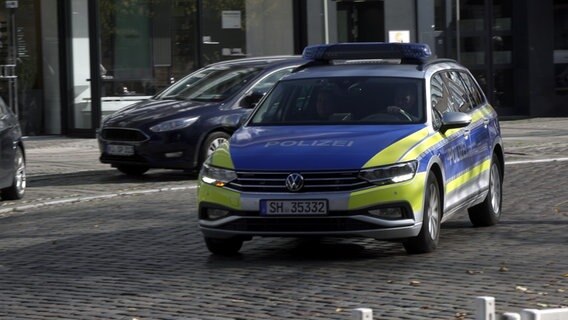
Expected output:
(502, 49)
(561, 47)
(502, 24)
(80, 62)
(503, 92)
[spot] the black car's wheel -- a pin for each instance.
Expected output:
(18, 187)
(427, 239)
(132, 170)
(213, 141)
(488, 212)
(224, 247)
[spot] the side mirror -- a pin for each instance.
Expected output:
(251, 99)
(454, 120)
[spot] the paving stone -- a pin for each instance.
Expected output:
(141, 256)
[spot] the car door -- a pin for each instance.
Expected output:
(483, 117)
(453, 151)
(6, 150)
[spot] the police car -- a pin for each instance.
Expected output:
(373, 140)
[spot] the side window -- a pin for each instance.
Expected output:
(3, 108)
(474, 92)
(439, 94)
(458, 93)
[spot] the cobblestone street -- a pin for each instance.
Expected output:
(90, 243)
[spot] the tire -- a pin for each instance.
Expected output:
(488, 212)
(212, 142)
(18, 188)
(134, 171)
(224, 247)
(427, 239)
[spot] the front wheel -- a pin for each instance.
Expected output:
(224, 247)
(212, 142)
(427, 239)
(18, 188)
(488, 212)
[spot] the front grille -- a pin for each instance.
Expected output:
(291, 225)
(123, 134)
(313, 181)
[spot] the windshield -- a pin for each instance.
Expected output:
(343, 100)
(212, 84)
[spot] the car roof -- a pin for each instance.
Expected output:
(371, 59)
(372, 69)
(359, 70)
(272, 60)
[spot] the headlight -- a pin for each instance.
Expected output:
(390, 174)
(173, 124)
(216, 176)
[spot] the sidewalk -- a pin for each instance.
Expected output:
(527, 139)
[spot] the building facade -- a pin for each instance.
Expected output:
(78, 60)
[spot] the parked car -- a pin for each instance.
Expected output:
(12, 155)
(399, 145)
(182, 125)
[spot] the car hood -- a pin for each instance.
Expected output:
(151, 111)
(319, 148)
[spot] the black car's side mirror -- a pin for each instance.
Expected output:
(251, 99)
(454, 120)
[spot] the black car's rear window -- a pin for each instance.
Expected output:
(212, 84)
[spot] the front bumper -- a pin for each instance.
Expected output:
(337, 226)
(349, 213)
(179, 154)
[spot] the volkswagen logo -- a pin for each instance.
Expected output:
(294, 182)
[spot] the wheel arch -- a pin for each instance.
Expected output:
(437, 170)
(498, 151)
(21, 145)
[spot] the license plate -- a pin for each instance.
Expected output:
(120, 150)
(293, 207)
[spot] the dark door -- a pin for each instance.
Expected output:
(7, 125)
(361, 21)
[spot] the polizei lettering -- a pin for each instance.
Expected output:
(312, 143)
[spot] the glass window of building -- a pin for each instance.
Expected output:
(22, 40)
(146, 45)
(502, 54)
(561, 46)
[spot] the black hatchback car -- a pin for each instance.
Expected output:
(179, 127)
(12, 156)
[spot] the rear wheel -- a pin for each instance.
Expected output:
(132, 170)
(18, 188)
(224, 247)
(427, 239)
(488, 212)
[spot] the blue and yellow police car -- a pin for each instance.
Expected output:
(373, 140)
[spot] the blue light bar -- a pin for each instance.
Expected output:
(416, 53)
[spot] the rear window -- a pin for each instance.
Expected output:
(343, 100)
(212, 84)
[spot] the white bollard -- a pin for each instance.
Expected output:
(511, 316)
(546, 314)
(484, 308)
(362, 314)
